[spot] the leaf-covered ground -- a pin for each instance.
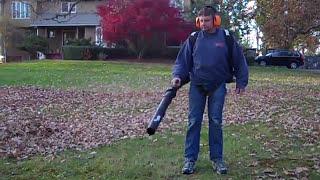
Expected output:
(49, 118)
(36, 120)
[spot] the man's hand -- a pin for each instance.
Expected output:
(239, 91)
(176, 82)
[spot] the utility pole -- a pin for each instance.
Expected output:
(258, 38)
(2, 53)
(286, 23)
(1, 56)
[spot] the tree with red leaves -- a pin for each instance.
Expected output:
(141, 23)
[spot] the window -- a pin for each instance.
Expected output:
(177, 3)
(51, 33)
(284, 53)
(296, 53)
(276, 54)
(20, 10)
(66, 7)
(290, 53)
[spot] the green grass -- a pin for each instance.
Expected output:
(160, 157)
(249, 149)
(112, 76)
(96, 76)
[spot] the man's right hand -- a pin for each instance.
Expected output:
(176, 82)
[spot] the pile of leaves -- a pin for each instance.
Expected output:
(35, 120)
(46, 121)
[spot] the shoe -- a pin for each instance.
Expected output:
(188, 167)
(220, 167)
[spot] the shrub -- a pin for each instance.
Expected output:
(95, 52)
(79, 42)
(73, 52)
(171, 52)
(113, 53)
(34, 43)
(250, 54)
(250, 60)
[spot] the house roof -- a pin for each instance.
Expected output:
(77, 19)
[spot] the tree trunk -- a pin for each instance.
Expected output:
(132, 47)
(141, 53)
(4, 51)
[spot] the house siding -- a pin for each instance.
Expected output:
(55, 6)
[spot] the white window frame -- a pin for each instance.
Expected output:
(177, 4)
(69, 4)
(99, 40)
(20, 10)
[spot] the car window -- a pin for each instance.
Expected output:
(296, 53)
(284, 53)
(276, 54)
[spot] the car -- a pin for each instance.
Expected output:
(290, 59)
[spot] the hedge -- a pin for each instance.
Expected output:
(95, 52)
(101, 53)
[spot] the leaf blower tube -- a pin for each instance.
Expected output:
(162, 108)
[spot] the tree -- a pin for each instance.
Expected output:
(141, 22)
(233, 13)
(34, 43)
(289, 23)
(7, 28)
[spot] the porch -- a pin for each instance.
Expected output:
(60, 30)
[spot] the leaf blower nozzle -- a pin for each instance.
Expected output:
(161, 110)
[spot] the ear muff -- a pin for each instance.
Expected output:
(197, 22)
(216, 21)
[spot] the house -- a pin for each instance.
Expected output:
(56, 20)
(80, 21)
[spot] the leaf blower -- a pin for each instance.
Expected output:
(169, 94)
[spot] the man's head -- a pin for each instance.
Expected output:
(206, 18)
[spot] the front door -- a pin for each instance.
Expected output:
(67, 36)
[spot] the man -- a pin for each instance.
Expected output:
(206, 63)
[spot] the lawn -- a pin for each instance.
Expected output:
(86, 120)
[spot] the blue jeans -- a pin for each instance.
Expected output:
(197, 102)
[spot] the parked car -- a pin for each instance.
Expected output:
(291, 59)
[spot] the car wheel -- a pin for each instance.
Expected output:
(293, 65)
(263, 63)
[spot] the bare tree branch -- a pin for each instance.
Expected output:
(57, 16)
(308, 31)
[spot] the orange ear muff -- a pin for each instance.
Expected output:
(216, 21)
(197, 22)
